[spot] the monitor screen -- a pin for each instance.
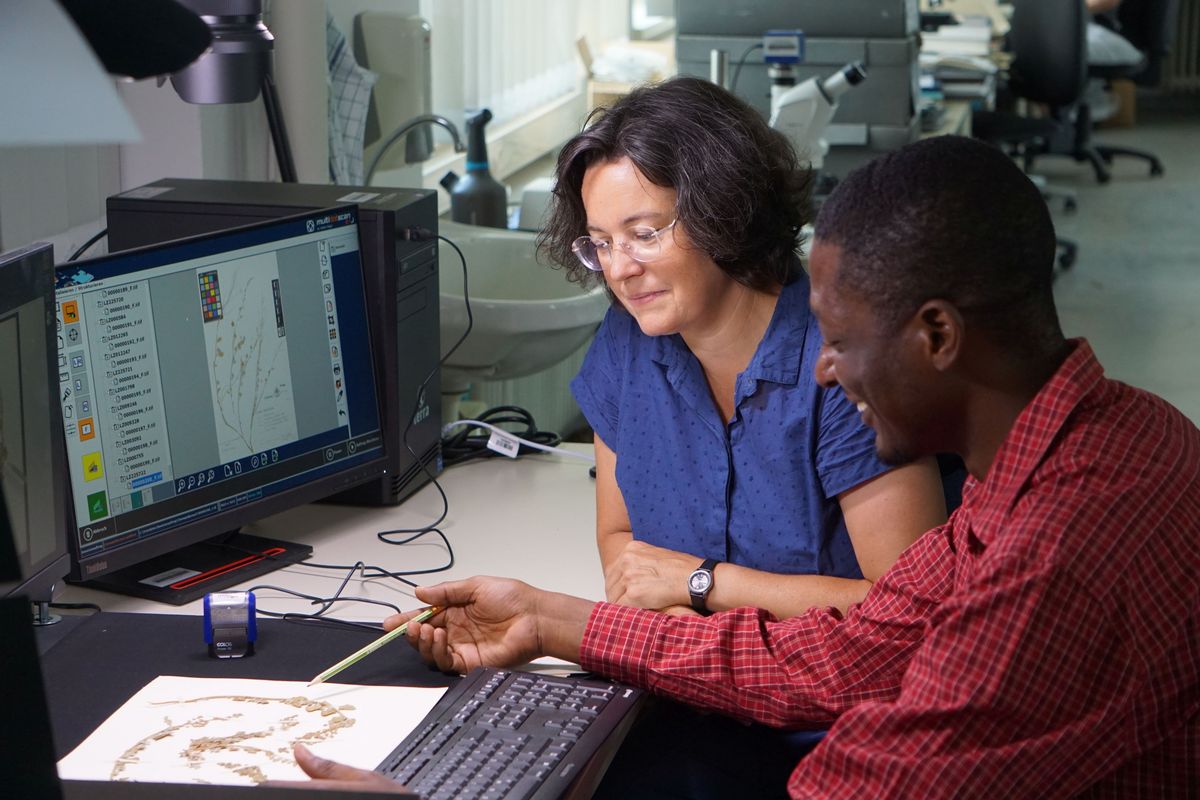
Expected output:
(211, 381)
(32, 514)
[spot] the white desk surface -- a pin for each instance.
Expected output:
(533, 518)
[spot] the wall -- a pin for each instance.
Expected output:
(54, 194)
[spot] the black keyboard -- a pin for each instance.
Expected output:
(515, 735)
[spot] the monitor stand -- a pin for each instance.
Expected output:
(189, 573)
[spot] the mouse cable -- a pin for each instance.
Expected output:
(367, 571)
(337, 597)
(325, 602)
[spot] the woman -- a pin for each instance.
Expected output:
(713, 442)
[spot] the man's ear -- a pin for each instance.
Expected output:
(939, 328)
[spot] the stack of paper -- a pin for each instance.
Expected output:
(962, 40)
(961, 77)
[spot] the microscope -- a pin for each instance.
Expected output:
(802, 112)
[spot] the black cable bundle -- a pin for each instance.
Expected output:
(470, 443)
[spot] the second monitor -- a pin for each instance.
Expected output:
(207, 383)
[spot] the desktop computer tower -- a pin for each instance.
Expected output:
(400, 269)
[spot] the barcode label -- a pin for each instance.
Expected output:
(503, 444)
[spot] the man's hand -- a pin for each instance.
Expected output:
(328, 774)
(494, 622)
(649, 577)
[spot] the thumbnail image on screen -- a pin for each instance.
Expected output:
(202, 375)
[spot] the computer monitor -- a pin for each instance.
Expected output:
(206, 383)
(32, 493)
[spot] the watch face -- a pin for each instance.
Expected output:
(699, 581)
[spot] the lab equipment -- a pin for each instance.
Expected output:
(803, 113)
(215, 381)
(881, 35)
(215, 51)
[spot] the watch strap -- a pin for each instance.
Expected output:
(700, 600)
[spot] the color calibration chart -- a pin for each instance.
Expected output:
(210, 296)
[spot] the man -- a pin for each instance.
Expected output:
(1045, 641)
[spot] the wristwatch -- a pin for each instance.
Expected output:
(700, 583)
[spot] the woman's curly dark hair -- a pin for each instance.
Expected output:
(742, 193)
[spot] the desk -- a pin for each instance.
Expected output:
(533, 518)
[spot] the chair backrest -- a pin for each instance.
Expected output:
(1048, 40)
(1149, 25)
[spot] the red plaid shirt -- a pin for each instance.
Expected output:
(1045, 642)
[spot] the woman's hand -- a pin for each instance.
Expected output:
(647, 576)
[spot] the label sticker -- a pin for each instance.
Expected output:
(164, 579)
(503, 444)
(358, 197)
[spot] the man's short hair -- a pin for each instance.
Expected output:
(743, 195)
(948, 218)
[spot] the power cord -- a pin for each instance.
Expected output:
(83, 247)
(737, 71)
(472, 443)
(77, 607)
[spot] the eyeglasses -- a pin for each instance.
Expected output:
(643, 245)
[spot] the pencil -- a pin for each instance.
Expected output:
(358, 655)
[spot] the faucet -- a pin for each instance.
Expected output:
(432, 119)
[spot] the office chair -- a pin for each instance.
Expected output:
(1149, 26)
(1048, 40)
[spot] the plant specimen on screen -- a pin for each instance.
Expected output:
(245, 356)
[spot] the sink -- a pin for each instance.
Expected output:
(528, 316)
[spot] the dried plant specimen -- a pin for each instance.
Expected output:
(266, 739)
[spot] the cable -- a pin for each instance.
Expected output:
(76, 606)
(327, 602)
(83, 248)
(368, 572)
(738, 69)
(469, 445)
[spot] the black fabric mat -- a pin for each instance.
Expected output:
(92, 671)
